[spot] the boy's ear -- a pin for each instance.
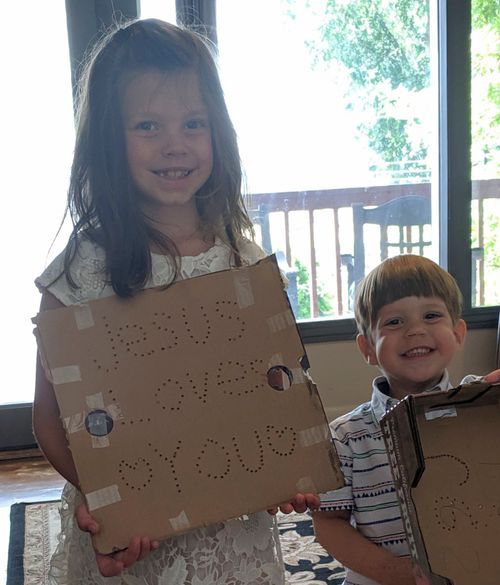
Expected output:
(366, 348)
(460, 329)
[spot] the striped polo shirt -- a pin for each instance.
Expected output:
(369, 492)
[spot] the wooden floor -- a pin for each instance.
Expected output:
(23, 480)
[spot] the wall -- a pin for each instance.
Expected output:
(344, 379)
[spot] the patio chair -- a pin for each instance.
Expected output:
(403, 213)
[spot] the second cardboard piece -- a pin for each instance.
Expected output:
(444, 455)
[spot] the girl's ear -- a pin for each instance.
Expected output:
(460, 329)
(366, 348)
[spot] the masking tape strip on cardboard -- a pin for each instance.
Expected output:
(306, 485)
(103, 497)
(313, 435)
(440, 413)
(65, 375)
(297, 373)
(76, 422)
(83, 316)
(96, 402)
(275, 360)
(180, 522)
(280, 321)
(243, 290)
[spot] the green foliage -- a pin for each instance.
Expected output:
(485, 48)
(378, 41)
(384, 47)
(304, 296)
(486, 13)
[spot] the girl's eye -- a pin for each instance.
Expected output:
(147, 126)
(196, 124)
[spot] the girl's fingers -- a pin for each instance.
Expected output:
(85, 521)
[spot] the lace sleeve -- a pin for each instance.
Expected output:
(87, 271)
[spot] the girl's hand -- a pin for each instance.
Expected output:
(492, 377)
(113, 564)
(300, 503)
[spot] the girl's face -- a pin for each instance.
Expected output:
(168, 138)
(413, 341)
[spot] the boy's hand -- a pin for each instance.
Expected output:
(300, 503)
(492, 377)
(113, 564)
(420, 578)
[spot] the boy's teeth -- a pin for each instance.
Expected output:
(417, 351)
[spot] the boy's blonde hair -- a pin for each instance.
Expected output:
(402, 276)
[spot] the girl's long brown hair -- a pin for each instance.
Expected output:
(103, 202)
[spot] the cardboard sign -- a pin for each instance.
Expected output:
(187, 405)
(445, 457)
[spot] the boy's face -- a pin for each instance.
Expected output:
(412, 342)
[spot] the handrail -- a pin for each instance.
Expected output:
(262, 205)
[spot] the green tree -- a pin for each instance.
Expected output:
(384, 46)
(304, 296)
(485, 47)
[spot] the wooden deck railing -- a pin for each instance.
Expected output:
(262, 205)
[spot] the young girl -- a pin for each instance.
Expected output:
(155, 196)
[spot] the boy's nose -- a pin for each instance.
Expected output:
(416, 328)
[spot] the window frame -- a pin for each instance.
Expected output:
(87, 20)
(454, 71)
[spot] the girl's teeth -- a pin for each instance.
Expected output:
(173, 174)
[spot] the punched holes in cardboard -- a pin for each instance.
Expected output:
(187, 405)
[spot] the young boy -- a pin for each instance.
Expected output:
(408, 312)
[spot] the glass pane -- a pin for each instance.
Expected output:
(485, 45)
(334, 109)
(37, 141)
(162, 9)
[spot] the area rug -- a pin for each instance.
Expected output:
(35, 526)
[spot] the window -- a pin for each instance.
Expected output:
(485, 152)
(336, 108)
(37, 137)
(311, 126)
(333, 106)
(162, 9)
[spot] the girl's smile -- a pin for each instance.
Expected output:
(169, 143)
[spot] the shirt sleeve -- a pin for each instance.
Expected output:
(87, 271)
(342, 498)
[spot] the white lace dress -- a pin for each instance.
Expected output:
(228, 553)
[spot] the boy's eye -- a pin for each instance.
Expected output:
(432, 315)
(393, 322)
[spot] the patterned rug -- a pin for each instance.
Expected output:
(34, 530)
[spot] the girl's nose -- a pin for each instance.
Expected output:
(173, 145)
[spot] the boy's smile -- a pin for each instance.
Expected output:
(413, 341)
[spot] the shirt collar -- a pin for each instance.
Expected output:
(381, 401)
